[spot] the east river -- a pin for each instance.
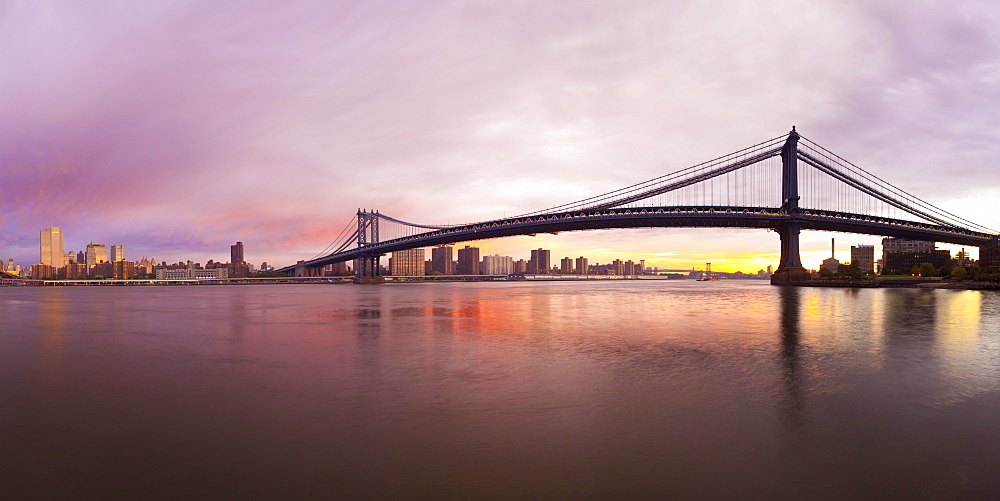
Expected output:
(612, 389)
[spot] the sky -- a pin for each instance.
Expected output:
(177, 128)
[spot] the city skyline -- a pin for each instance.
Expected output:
(467, 113)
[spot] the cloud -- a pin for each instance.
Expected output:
(193, 125)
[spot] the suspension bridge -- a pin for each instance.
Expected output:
(818, 191)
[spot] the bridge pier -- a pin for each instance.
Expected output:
(790, 270)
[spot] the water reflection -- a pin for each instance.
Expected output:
(793, 397)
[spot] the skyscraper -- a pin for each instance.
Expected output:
(117, 253)
(96, 254)
(581, 266)
(540, 262)
(408, 263)
(468, 261)
(51, 248)
(441, 260)
(236, 253)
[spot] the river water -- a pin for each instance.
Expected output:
(649, 389)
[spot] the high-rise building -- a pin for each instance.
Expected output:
(117, 253)
(863, 258)
(51, 247)
(497, 265)
(468, 261)
(566, 266)
(81, 258)
(540, 263)
(236, 253)
(96, 254)
(581, 266)
(520, 266)
(407, 263)
(441, 261)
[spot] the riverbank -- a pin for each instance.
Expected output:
(920, 283)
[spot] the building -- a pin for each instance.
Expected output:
(236, 253)
(989, 255)
(407, 263)
(900, 263)
(43, 271)
(81, 258)
(117, 253)
(96, 254)
(566, 266)
(520, 267)
(75, 271)
(468, 261)
(830, 264)
(632, 269)
(963, 259)
(581, 266)
(906, 245)
(191, 273)
(51, 247)
(540, 263)
(441, 261)
(900, 255)
(497, 265)
(863, 258)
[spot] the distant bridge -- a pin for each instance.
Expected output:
(819, 191)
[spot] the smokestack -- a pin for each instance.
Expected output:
(832, 251)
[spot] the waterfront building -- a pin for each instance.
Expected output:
(468, 261)
(863, 258)
(340, 268)
(631, 269)
(890, 245)
(566, 266)
(43, 271)
(117, 253)
(830, 264)
(540, 263)
(236, 253)
(441, 261)
(96, 253)
(497, 265)
(520, 267)
(190, 272)
(408, 263)
(617, 267)
(75, 271)
(581, 266)
(989, 256)
(51, 247)
(900, 263)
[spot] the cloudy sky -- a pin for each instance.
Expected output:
(178, 127)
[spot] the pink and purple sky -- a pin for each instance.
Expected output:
(176, 128)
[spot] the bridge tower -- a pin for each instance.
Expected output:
(790, 268)
(367, 266)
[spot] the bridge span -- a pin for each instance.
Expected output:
(833, 187)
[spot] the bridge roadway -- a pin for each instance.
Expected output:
(664, 217)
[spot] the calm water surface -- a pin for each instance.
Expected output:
(499, 390)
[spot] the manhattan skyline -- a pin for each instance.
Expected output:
(177, 128)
